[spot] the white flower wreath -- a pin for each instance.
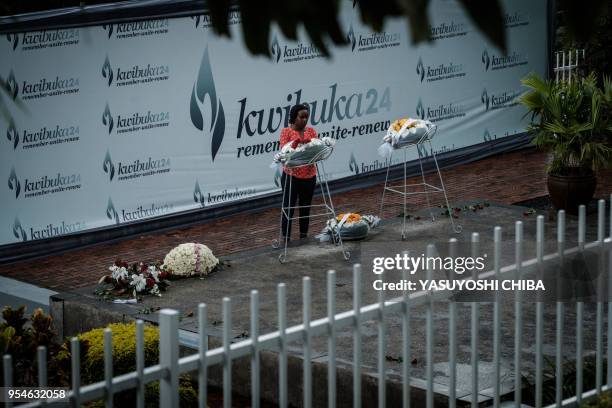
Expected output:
(190, 259)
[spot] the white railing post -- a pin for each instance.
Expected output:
(202, 349)
(539, 313)
(382, 378)
(108, 366)
(255, 369)
(168, 358)
(475, 325)
(580, 310)
(357, 336)
(76, 371)
(282, 343)
(7, 372)
(406, 344)
(497, 239)
(227, 358)
(518, 311)
(560, 309)
(307, 317)
(430, 332)
(140, 364)
(331, 341)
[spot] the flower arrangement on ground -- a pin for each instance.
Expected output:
(140, 278)
(190, 259)
(402, 132)
(350, 227)
(135, 279)
(296, 154)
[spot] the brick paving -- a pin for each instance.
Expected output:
(505, 178)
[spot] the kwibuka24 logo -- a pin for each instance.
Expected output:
(484, 98)
(107, 71)
(13, 38)
(198, 197)
(420, 69)
(419, 109)
(111, 213)
(109, 28)
(107, 119)
(11, 85)
(200, 110)
(13, 182)
(350, 36)
(486, 60)
(108, 166)
(18, 230)
(12, 135)
(275, 49)
(353, 166)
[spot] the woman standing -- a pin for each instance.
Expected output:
(298, 183)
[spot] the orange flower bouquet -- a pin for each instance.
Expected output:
(348, 226)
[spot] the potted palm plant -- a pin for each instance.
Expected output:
(573, 121)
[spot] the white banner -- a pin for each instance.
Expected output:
(130, 121)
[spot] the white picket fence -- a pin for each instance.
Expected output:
(171, 366)
(566, 63)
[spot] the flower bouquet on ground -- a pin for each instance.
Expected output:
(134, 280)
(191, 259)
(403, 132)
(296, 154)
(349, 226)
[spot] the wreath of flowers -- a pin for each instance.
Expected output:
(138, 278)
(349, 226)
(297, 153)
(191, 259)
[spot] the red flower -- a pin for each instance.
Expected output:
(163, 275)
(295, 144)
(150, 282)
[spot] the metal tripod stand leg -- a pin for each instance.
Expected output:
(425, 186)
(456, 228)
(405, 207)
(323, 176)
(382, 200)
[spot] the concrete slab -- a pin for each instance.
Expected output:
(261, 270)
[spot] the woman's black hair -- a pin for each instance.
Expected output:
(294, 111)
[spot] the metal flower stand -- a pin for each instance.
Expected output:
(327, 207)
(403, 189)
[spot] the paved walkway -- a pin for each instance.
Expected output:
(505, 178)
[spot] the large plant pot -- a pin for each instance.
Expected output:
(569, 192)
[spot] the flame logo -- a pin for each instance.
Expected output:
(420, 69)
(205, 85)
(485, 59)
(108, 166)
(353, 166)
(111, 213)
(12, 134)
(14, 38)
(13, 182)
(484, 98)
(419, 110)
(277, 177)
(11, 84)
(109, 28)
(107, 119)
(275, 49)
(18, 230)
(486, 136)
(198, 197)
(107, 71)
(351, 36)
(197, 20)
